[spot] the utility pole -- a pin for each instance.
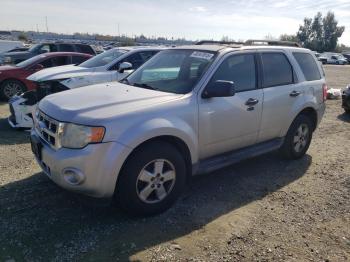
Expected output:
(118, 30)
(47, 28)
(37, 28)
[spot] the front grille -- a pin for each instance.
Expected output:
(48, 129)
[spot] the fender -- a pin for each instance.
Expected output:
(153, 128)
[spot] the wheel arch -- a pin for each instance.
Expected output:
(177, 142)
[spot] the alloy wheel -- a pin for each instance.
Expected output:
(301, 138)
(155, 181)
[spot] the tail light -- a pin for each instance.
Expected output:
(324, 88)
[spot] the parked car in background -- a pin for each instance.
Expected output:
(321, 58)
(347, 56)
(335, 59)
(6, 45)
(108, 66)
(37, 49)
(14, 81)
(13, 78)
(346, 99)
(188, 110)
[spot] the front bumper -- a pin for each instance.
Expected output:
(99, 164)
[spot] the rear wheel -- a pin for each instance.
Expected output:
(298, 138)
(151, 180)
(11, 87)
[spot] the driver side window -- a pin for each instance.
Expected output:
(240, 69)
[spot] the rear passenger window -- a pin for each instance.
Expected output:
(240, 69)
(60, 60)
(277, 70)
(308, 66)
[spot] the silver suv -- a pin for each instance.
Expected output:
(188, 110)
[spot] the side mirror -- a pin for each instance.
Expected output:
(124, 66)
(38, 67)
(219, 88)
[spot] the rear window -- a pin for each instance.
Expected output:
(308, 65)
(277, 70)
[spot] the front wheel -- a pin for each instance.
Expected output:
(151, 179)
(298, 138)
(10, 88)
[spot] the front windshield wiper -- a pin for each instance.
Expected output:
(143, 85)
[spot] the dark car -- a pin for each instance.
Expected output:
(17, 57)
(13, 78)
(346, 99)
(347, 56)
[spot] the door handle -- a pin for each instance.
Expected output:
(251, 102)
(294, 93)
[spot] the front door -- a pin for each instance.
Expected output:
(229, 123)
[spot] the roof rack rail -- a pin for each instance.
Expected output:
(271, 42)
(208, 42)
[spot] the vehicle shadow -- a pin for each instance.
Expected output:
(344, 117)
(10, 136)
(52, 223)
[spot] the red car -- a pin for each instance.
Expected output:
(13, 79)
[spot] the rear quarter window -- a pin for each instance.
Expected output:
(308, 66)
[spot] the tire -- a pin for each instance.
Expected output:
(10, 87)
(138, 197)
(301, 128)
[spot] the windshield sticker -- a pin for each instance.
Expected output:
(202, 55)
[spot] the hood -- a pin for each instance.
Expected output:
(93, 105)
(16, 54)
(60, 72)
(7, 68)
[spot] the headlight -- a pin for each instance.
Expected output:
(78, 136)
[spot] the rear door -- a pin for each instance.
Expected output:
(282, 93)
(229, 123)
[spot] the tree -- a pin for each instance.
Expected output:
(290, 38)
(22, 37)
(321, 33)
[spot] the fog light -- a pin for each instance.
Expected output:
(73, 176)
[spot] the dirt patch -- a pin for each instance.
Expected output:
(264, 209)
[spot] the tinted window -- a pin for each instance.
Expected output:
(78, 59)
(240, 69)
(147, 55)
(46, 63)
(66, 48)
(60, 60)
(277, 70)
(135, 59)
(308, 66)
(85, 49)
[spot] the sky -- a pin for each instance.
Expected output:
(192, 19)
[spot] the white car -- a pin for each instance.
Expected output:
(337, 60)
(109, 66)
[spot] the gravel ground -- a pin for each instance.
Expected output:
(263, 209)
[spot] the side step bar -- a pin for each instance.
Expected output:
(227, 159)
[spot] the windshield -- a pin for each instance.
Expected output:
(34, 47)
(103, 59)
(173, 71)
(30, 61)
